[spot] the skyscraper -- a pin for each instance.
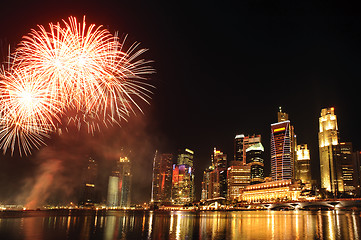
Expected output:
(238, 148)
(283, 148)
(302, 164)
(183, 178)
(125, 179)
(182, 184)
(346, 167)
(238, 176)
(162, 178)
(255, 159)
(119, 184)
(113, 192)
(328, 138)
(88, 190)
(241, 143)
(281, 155)
(215, 177)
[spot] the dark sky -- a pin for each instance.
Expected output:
(223, 68)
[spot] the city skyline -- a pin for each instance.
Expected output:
(222, 70)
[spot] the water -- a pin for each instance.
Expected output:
(42, 225)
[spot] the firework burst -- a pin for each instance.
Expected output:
(69, 67)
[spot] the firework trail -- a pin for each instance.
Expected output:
(69, 67)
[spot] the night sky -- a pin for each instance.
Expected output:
(223, 68)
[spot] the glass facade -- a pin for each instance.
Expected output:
(281, 151)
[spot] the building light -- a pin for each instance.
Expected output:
(279, 129)
(189, 151)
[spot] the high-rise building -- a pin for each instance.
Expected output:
(88, 190)
(303, 164)
(207, 183)
(328, 138)
(119, 184)
(182, 184)
(254, 156)
(125, 178)
(162, 178)
(219, 159)
(183, 178)
(215, 177)
(283, 148)
(113, 192)
(241, 143)
(238, 148)
(281, 154)
(357, 173)
(238, 176)
(185, 157)
(346, 167)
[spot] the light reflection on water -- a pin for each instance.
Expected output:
(183, 225)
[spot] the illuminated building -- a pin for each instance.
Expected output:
(182, 184)
(207, 183)
(346, 167)
(281, 154)
(254, 155)
(327, 139)
(88, 190)
(356, 156)
(113, 192)
(119, 184)
(162, 178)
(215, 177)
(185, 157)
(275, 191)
(241, 143)
(125, 179)
(291, 136)
(183, 178)
(302, 164)
(238, 177)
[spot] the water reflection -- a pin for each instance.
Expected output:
(183, 225)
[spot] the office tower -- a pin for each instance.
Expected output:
(182, 184)
(238, 148)
(219, 159)
(183, 178)
(185, 157)
(283, 148)
(207, 183)
(113, 192)
(254, 155)
(346, 167)
(88, 190)
(219, 183)
(162, 178)
(328, 138)
(241, 143)
(303, 164)
(238, 177)
(125, 178)
(119, 184)
(356, 156)
(281, 157)
(281, 117)
(215, 177)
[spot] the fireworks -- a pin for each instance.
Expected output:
(68, 68)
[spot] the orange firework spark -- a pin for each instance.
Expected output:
(74, 67)
(27, 111)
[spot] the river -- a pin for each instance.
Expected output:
(108, 225)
